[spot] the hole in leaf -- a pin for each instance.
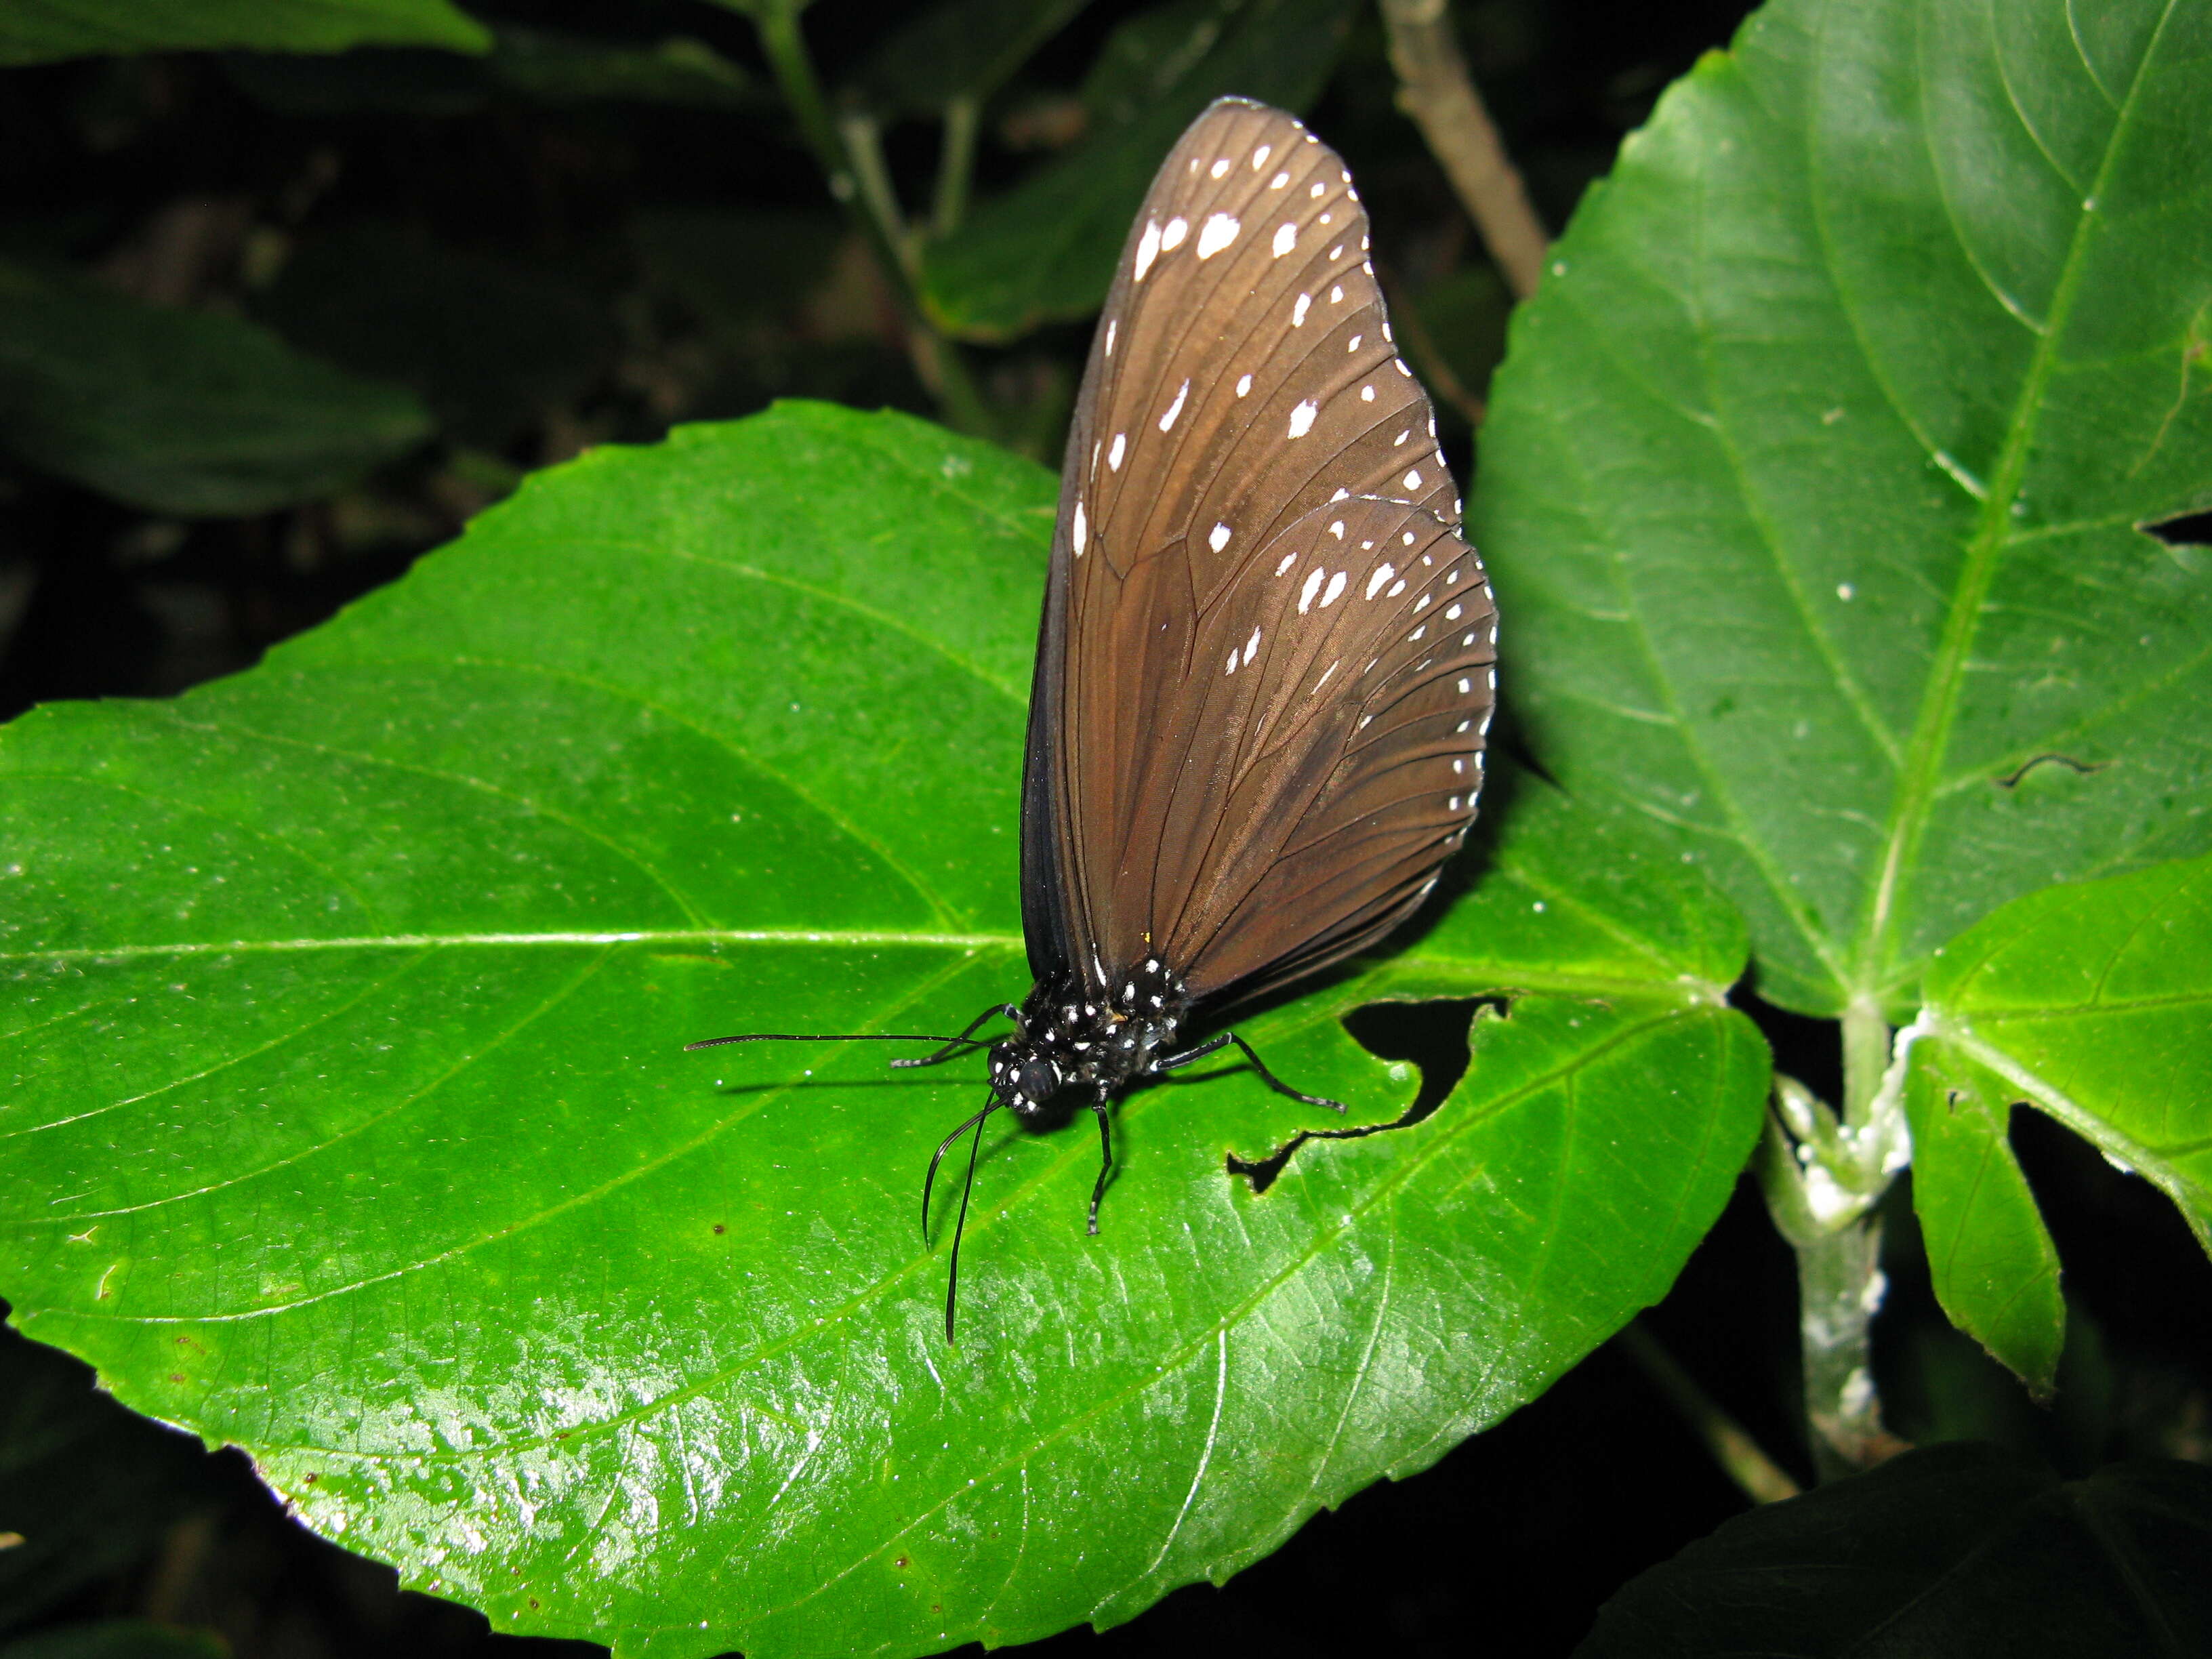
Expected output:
(2183, 529)
(1432, 1035)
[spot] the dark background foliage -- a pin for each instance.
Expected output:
(547, 265)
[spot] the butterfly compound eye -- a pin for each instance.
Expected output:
(1036, 1080)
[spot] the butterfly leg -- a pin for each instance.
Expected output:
(965, 1041)
(1173, 1062)
(1105, 1157)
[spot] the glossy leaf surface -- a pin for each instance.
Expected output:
(1812, 480)
(348, 1119)
(2092, 1003)
(1962, 1549)
(180, 411)
(41, 31)
(1045, 251)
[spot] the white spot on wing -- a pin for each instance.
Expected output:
(1244, 385)
(1335, 589)
(1148, 249)
(1286, 238)
(1219, 539)
(1113, 324)
(1306, 593)
(1367, 394)
(1382, 574)
(1175, 408)
(1173, 232)
(1413, 480)
(1302, 418)
(1279, 181)
(1336, 294)
(1289, 559)
(1218, 233)
(1260, 156)
(1121, 447)
(1082, 530)
(1220, 167)
(1299, 310)
(1251, 645)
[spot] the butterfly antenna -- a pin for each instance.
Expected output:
(823, 1037)
(952, 1277)
(967, 1041)
(943, 1147)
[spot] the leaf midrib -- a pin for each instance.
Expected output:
(1921, 777)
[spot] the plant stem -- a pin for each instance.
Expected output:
(1822, 1176)
(1759, 1476)
(1435, 90)
(956, 163)
(860, 137)
(936, 360)
(1866, 1056)
(1839, 1286)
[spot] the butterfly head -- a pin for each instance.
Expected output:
(1023, 1077)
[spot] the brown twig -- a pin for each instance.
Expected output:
(1436, 92)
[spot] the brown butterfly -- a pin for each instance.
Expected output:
(1267, 666)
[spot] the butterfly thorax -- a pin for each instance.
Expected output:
(1074, 1038)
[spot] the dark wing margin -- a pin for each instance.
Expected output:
(1050, 916)
(1242, 396)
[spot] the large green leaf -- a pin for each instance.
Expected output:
(348, 1122)
(1812, 480)
(2092, 1003)
(1961, 1550)
(41, 31)
(181, 411)
(1046, 249)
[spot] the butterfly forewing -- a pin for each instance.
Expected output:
(1254, 735)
